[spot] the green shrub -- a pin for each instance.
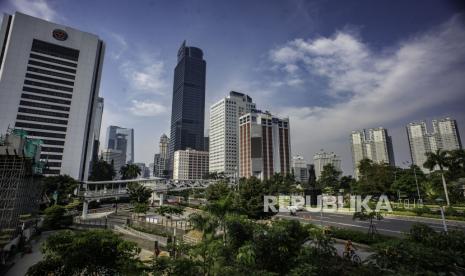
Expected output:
(55, 218)
(419, 211)
(450, 211)
(356, 236)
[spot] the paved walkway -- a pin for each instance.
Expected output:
(22, 264)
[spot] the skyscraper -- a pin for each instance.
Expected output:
(375, 145)
(264, 145)
(300, 169)
(97, 127)
(188, 108)
(321, 159)
(122, 139)
(49, 86)
(445, 136)
(224, 132)
(190, 164)
(160, 166)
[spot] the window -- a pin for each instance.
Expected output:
(52, 142)
(53, 60)
(42, 105)
(36, 126)
(54, 50)
(51, 73)
(46, 92)
(40, 119)
(49, 149)
(37, 77)
(42, 112)
(45, 99)
(50, 66)
(46, 85)
(46, 134)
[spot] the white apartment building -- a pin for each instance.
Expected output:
(374, 144)
(224, 132)
(445, 136)
(321, 159)
(300, 169)
(190, 164)
(49, 86)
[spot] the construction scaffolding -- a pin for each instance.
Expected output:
(19, 192)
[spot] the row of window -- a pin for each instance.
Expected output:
(45, 99)
(37, 77)
(50, 66)
(54, 50)
(54, 164)
(42, 105)
(57, 61)
(51, 73)
(51, 157)
(49, 149)
(41, 119)
(52, 142)
(46, 134)
(47, 85)
(42, 112)
(47, 92)
(44, 127)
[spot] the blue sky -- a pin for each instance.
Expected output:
(331, 66)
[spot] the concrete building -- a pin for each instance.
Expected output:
(374, 144)
(445, 136)
(264, 145)
(122, 139)
(115, 157)
(224, 132)
(97, 127)
(19, 189)
(190, 164)
(160, 166)
(300, 169)
(49, 86)
(321, 159)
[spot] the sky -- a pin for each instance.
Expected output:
(330, 66)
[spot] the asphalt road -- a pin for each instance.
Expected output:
(392, 226)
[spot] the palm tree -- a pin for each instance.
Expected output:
(439, 159)
(130, 171)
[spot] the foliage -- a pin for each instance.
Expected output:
(329, 179)
(374, 179)
(138, 193)
(102, 171)
(166, 209)
(356, 236)
(141, 208)
(250, 198)
(370, 216)
(62, 185)
(55, 218)
(129, 171)
(406, 183)
(94, 252)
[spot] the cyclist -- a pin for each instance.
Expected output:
(349, 249)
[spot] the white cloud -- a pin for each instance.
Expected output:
(422, 74)
(147, 108)
(146, 74)
(121, 42)
(37, 8)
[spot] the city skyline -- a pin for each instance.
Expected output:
(314, 99)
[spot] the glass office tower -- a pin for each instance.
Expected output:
(188, 108)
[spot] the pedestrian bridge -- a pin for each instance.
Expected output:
(98, 190)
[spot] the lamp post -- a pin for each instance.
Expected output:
(441, 207)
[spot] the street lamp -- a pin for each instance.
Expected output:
(440, 201)
(416, 180)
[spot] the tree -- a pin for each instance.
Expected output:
(55, 218)
(61, 185)
(407, 180)
(439, 159)
(456, 164)
(346, 182)
(138, 193)
(170, 210)
(102, 171)
(94, 252)
(129, 171)
(374, 178)
(250, 198)
(217, 191)
(329, 179)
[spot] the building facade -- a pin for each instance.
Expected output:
(160, 165)
(374, 144)
(445, 136)
(190, 164)
(49, 86)
(300, 169)
(321, 159)
(188, 107)
(19, 187)
(122, 139)
(264, 145)
(115, 157)
(224, 132)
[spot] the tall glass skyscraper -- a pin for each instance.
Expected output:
(188, 108)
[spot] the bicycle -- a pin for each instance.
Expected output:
(352, 256)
